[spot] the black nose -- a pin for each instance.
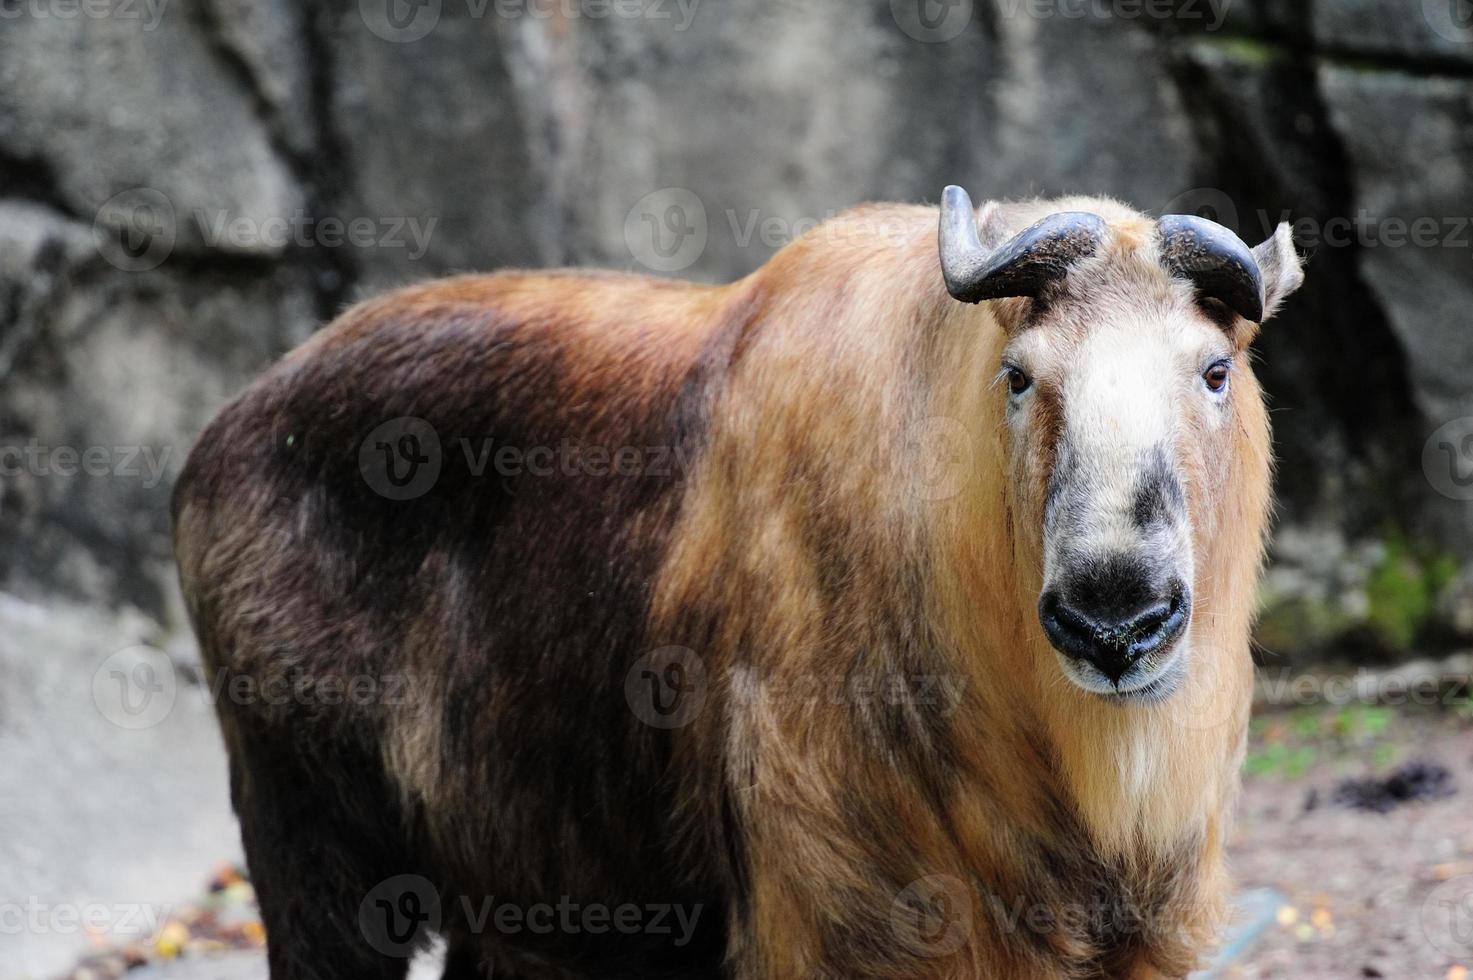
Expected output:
(1100, 630)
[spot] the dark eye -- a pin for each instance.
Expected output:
(1216, 376)
(1018, 382)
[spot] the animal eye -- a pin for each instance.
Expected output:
(1018, 382)
(1216, 376)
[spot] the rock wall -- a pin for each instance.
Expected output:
(187, 190)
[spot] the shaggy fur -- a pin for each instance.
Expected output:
(887, 776)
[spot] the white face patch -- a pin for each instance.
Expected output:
(1119, 410)
(1127, 395)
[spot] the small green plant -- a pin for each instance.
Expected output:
(1280, 760)
(1288, 744)
(1362, 722)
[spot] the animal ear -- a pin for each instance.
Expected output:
(1282, 269)
(992, 227)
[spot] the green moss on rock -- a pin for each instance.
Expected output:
(1402, 591)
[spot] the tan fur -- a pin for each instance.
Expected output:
(870, 348)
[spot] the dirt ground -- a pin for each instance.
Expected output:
(1369, 894)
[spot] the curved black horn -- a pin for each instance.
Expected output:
(1216, 261)
(1023, 266)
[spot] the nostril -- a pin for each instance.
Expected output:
(1070, 631)
(1152, 619)
(1157, 625)
(1152, 627)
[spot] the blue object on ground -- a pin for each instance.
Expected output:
(1253, 912)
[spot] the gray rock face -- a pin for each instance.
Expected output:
(97, 106)
(433, 149)
(111, 375)
(1409, 141)
(836, 104)
(660, 105)
(184, 193)
(1417, 30)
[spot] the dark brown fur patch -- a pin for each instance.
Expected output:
(529, 588)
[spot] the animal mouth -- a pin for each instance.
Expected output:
(1165, 682)
(1143, 684)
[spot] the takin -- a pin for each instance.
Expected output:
(882, 614)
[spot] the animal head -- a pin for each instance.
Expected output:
(1126, 379)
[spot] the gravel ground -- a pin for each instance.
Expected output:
(1369, 894)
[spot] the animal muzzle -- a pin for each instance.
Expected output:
(1117, 620)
